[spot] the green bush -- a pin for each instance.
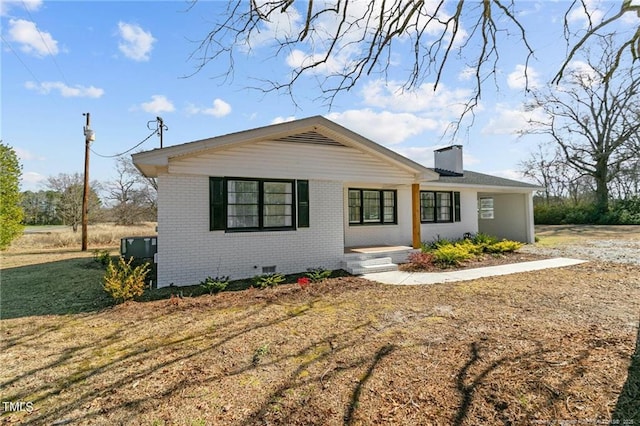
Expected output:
(621, 212)
(435, 244)
(483, 240)
(318, 274)
(102, 257)
(451, 255)
(215, 285)
(504, 246)
(124, 282)
(268, 280)
(471, 247)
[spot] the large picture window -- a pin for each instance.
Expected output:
(372, 206)
(437, 206)
(242, 204)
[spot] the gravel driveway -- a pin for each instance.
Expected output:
(618, 250)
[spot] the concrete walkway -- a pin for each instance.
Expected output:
(413, 278)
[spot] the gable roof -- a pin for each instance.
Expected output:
(312, 130)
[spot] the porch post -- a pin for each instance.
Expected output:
(415, 214)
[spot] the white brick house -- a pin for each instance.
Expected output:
(296, 195)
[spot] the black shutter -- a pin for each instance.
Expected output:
(456, 206)
(217, 216)
(303, 203)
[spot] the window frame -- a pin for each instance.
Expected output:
(381, 207)
(221, 207)
(454, 207)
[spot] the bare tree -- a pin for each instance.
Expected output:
(561, 182)
(69, 204)
(593, 118)
(133, 195)
(349, 39)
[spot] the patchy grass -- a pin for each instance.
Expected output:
(98, 236)
(529, 348)
(57, 287)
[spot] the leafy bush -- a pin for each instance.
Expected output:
(621, 212)
(102, 257)
(124, 282)
(268, 280)
(317, 274)
(435, 244)
(483, 239)
(451, 255)
(303, 282)
(420, 261)
(215, 285)
(473, 249)
(504, 246)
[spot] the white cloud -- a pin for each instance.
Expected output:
(595, 9)
(441, 103)
(297, 59)
(30, 5)
(135, 42)
(219, 109)
(467, 74)
(386, 128)
(158, 104)
(32, 41)
(281, 119)
(582, 73)
(419, 154)
(76, 91)
(508, 120)
(523, 78)
(355, 20)
(509, 174)
(26, 155)
(31, 179)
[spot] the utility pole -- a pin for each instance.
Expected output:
(160, 126)
(89, 136)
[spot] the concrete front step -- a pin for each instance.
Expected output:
(369, 265)
(397, 256)
(360, 270)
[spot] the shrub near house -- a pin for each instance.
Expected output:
(445, 253)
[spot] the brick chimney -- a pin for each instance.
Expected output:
(448, 161)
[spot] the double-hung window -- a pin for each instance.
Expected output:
(438, 206)
(244, 204)
(372, 206)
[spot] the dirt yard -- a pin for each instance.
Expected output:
(532, 348)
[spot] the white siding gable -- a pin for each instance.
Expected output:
(286, 160)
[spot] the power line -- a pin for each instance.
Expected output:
(20, 59)
(129, 150)
(46, 44)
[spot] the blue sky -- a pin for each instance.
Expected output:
(128, 62)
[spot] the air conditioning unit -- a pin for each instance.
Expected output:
(140, 248)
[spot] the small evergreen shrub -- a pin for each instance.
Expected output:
(473, 249)
(268, 280)
(317, 274)
(504, 246)
(483, 240)
(123, 282)
(451, 255)
(102, 257)
(215, 285)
